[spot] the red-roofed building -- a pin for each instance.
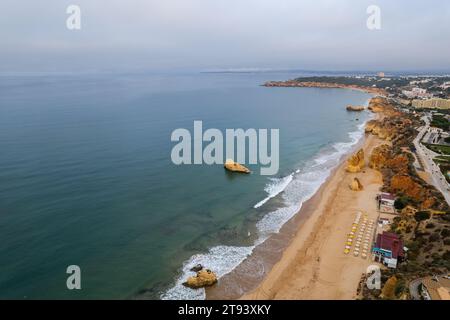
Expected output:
(388, 249)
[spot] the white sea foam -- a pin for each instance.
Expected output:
(298, 191)
(221, 259)
(274, 188)
(295, 189)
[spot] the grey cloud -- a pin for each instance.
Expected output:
(321, 34)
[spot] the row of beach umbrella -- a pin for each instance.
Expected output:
(360, 236)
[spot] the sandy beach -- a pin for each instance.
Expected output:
(314, 266)
(306, 259)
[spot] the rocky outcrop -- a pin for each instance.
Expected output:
(384, 106)
(356, 185)
(380, 104)
(379, 157)
(377, 104)
(427, 254)
(355, 108)
(204, 278)
(230, 165)
(197, 268)
(384, 129)
(370, 125)
(356, 162)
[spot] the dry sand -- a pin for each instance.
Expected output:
(314, 266)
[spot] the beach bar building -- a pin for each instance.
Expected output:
(386, 203)
(388, 249)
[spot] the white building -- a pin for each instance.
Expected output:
(445, 85)
(386, 203)
(416, 93)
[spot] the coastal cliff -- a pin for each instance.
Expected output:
(394, 160)
(313, 84)
(417, 201)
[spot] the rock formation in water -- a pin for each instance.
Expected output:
(204, 278)
(230, 165)
(356, 162)
(356, 185)
(355, 108)
(197, 268)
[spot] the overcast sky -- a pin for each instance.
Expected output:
(210, 34)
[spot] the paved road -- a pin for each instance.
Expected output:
(414, 289)
(426, 156)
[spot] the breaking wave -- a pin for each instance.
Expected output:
(295, 189)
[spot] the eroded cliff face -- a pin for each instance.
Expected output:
(378, 104)
(385, 129)
(356, 162)
(393, 159)
(383, 157)
(424, 212)
(379, 157)
(381, 104)
(370, 125)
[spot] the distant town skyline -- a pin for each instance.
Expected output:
(221, 35)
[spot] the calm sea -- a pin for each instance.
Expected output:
(86, 177)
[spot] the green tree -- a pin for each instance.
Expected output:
(421, 216)
(401, 202)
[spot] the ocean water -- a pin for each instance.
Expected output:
(86, 177)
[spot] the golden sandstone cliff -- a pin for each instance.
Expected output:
(394, 158)
(423, 222)
(356, 162)
(381, 128)
(379, 157)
